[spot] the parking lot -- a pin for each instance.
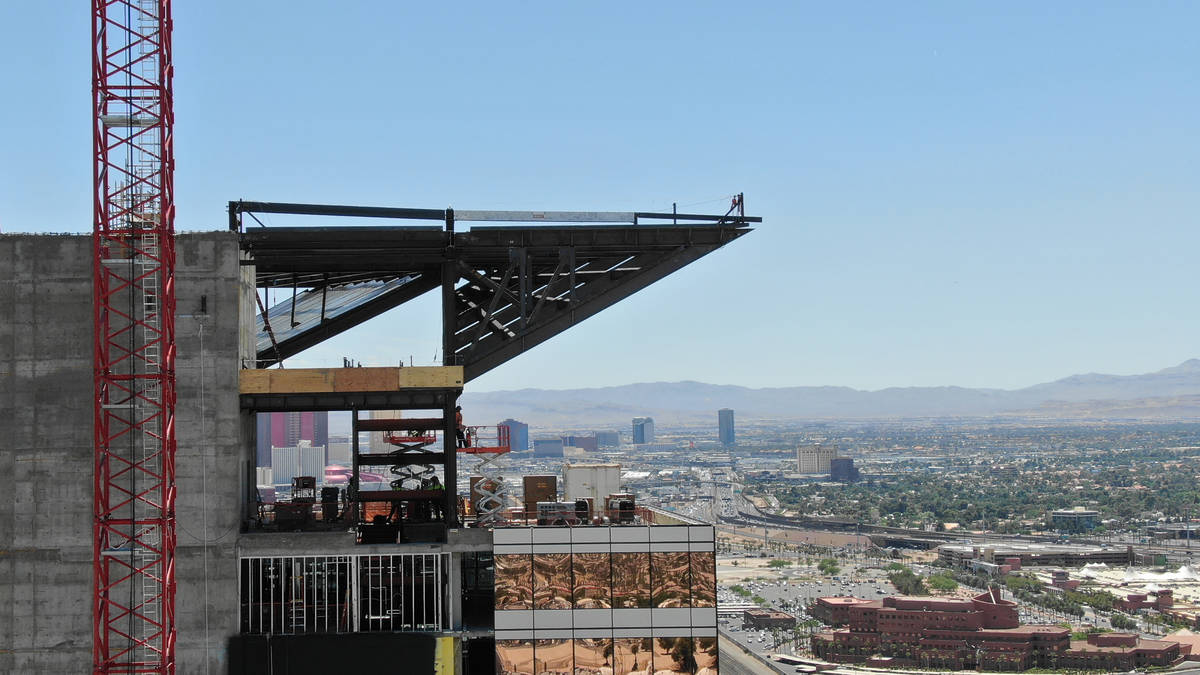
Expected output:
(788, 589)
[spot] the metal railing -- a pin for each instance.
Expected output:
(356, 593)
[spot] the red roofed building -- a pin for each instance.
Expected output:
(983, 632)
(1117, 652)
(762, 619)
(1163, 599)
(835, 611)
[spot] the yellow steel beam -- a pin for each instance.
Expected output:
(348, 380)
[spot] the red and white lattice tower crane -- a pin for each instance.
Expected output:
(134, 297)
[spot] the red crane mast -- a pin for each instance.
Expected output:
(134, 350)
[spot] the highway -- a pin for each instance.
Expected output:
(729, 506)
(735, 660)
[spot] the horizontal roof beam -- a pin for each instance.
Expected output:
(236, 208)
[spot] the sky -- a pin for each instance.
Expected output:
(973, 194)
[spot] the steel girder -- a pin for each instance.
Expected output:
(505, 289)
(505, 310)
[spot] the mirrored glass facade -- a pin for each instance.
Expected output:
(632, 655)
(704, 653)
(624, 600)
(593, 656)
(554, 657)
(631, 580)
(671, 579)
(662, 655)
(514, 581)
(592, 579)
(514, 657)
(673, 655)
(704, 578)
(552, 581)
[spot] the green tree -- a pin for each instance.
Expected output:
(1122, 622)
(907, 583)
(942, 582)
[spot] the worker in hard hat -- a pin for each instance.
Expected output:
(459, 428)
(436, 507)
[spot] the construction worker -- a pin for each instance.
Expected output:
(436, 506)
(459, 428)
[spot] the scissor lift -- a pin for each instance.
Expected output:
(414, 499)
(488, 443)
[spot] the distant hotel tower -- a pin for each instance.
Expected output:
(608, 439)
(815, 458)
(518, 435)
(725, 426)
(842, 470)
(643, 430)
(287, 429)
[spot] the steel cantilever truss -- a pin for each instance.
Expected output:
(134, 352)
(551, 279)
(505, 288)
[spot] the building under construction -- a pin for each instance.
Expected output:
(321, 578)
(133, 535)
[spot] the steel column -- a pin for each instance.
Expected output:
(450, 278)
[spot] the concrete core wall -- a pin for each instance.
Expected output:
(46, 449)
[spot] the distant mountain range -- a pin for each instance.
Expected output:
(1171, 393)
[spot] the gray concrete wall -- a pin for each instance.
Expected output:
(215, 445)
(46, 450)
(45, 453)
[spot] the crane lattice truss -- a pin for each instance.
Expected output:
(134, 491)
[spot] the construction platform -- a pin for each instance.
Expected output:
(386, 388)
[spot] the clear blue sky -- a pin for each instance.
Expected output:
(953, 193)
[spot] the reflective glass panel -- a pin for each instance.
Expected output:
(552, 581)
(514, 581)
(673, 656)
(593, 656)
(514, 657)
(593, 580)
(631, 655)
(704, 650)
(671, 579)
(553, 657)
(704, 579)
(631, 579)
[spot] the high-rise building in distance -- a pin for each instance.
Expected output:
(587, 443)
(842, 469)
(815, 458)
(643, 430)
(608, 439)
(547, 447)
(287, 429)
(725, 426)
(518, 435)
